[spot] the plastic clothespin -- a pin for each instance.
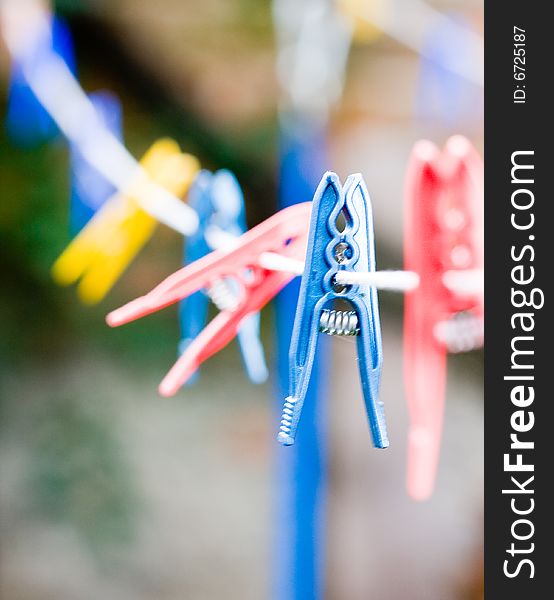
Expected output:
(100, 253)
(332, 248)
(285, 233)
(89, 188)
(27, 122)
(443, 243)
(360, 12)
(219, 203)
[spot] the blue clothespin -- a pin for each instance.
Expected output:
(333, 247)
(443, 94)
(219, 203)
(27, 122)
(89, 188)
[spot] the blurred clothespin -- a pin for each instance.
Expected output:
(89, 188)
(284, 233)
(27, 122)
(444, 95)
(219, 203)
(358, 10)
(444, 245)
(334, 247)
(313, 39)
(100, 253)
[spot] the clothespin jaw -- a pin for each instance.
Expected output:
(443, 237)
(193, 310)
(27, 122)
(100, 253)
(219, 203)
(227, 198)
(284, 232)
(89, 188)
(331, 249)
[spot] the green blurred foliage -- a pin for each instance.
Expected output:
(32, 221)
(78, 474)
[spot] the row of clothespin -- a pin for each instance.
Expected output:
(334, 235)
(330, 241)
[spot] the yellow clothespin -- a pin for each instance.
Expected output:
(100, 253)
(361, 11)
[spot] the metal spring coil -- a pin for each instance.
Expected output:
(222, 294)
(339, 322)
(286, 421)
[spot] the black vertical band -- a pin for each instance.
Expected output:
(519, 249)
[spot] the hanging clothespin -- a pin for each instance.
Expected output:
(27, 122)
(363, 14)
(283, 233)
(89, 188)
(333, 248)
(313, 39)
(219, 203)
(444, 95)
(100, 253)
(444, 245)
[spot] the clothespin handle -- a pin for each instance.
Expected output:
(288, 224)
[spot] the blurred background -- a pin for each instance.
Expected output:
(107, 490)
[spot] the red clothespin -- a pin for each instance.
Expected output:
(284, 233)
(444, 245)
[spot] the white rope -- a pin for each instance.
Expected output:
(467, 282)
(399, 281)
(396, 281)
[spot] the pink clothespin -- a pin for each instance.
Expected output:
(444, 245)
(284, 233)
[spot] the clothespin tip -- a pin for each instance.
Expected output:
(111, 319)
(425, 150)
(458, 145)
(285, 440)
(124, 313)
(330, 177)
(422, 460)
(166, 390)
